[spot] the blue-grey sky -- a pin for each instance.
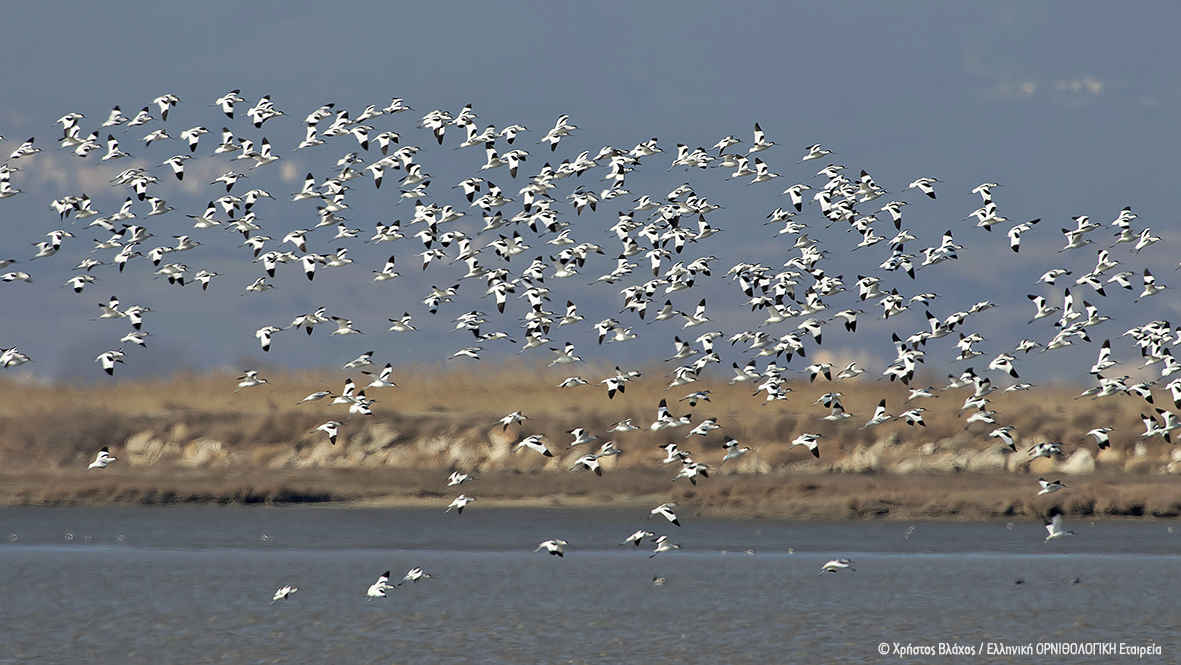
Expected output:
(1070, 106)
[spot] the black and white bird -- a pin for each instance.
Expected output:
(814, 152)
(691, 470)
(1005, 434)
(809, 441)
(666, 421)
(378, 588)
(316, 396)
(264, 336)
(588, 462)
(913, 417)
(460, 503)
(836, 565)
(283, 593)
(1047, 449)
(1102, 436)
(663, 544)
(760, 141)
(108, 359)
(103, 458)
(554, 547)
(565, 355)
(1054, 528)
(623, 426)
(704, 427)
(665, 510)
(514, 418)
(535, 443)
(458, 478)
(733, 451)
(924, 185)
(343, 327)
(879, 416)
(250, 380)
(383, 379)
(1151, 288)
(638, 537)
(331, 428)
(364, 360)
(1049, 487)
(414, 575)
(581, 437)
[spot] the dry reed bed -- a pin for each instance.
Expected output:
(190, 438)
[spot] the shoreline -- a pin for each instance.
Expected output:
(190, 440)
(811, 496)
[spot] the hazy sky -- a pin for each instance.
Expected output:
(1071, 106)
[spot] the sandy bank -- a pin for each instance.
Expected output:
(967, 496)
(191, 439)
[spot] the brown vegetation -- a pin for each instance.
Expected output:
(192, 439)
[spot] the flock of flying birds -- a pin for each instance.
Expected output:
(518, 247)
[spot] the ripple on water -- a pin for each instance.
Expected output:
(165, 595)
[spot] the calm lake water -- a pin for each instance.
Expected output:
(193, 585)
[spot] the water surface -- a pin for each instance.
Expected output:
(193, 585)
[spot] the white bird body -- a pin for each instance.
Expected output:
(589, 462)
(836, 565)
(1101, 434)
(663, 544)
(108, 360)
(1054, 526)
(913, 417)
(623, 426)
(1045, 449)
(414, 575)
(1049, 487)
(665, 510)
(704, 428)
(250, 380)
(733, 451)
(535, 443)
(101, 460)
(581, 436)
(383, 379)
(460, 503)
(513, 418)
(283, 593)
(319, 395)
(1005, 434)
(331, 428)
(666, 421)
(638, 537)
(554, 547)
(378, 588)
(809, 441)
(565, 355)
(879, 416)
